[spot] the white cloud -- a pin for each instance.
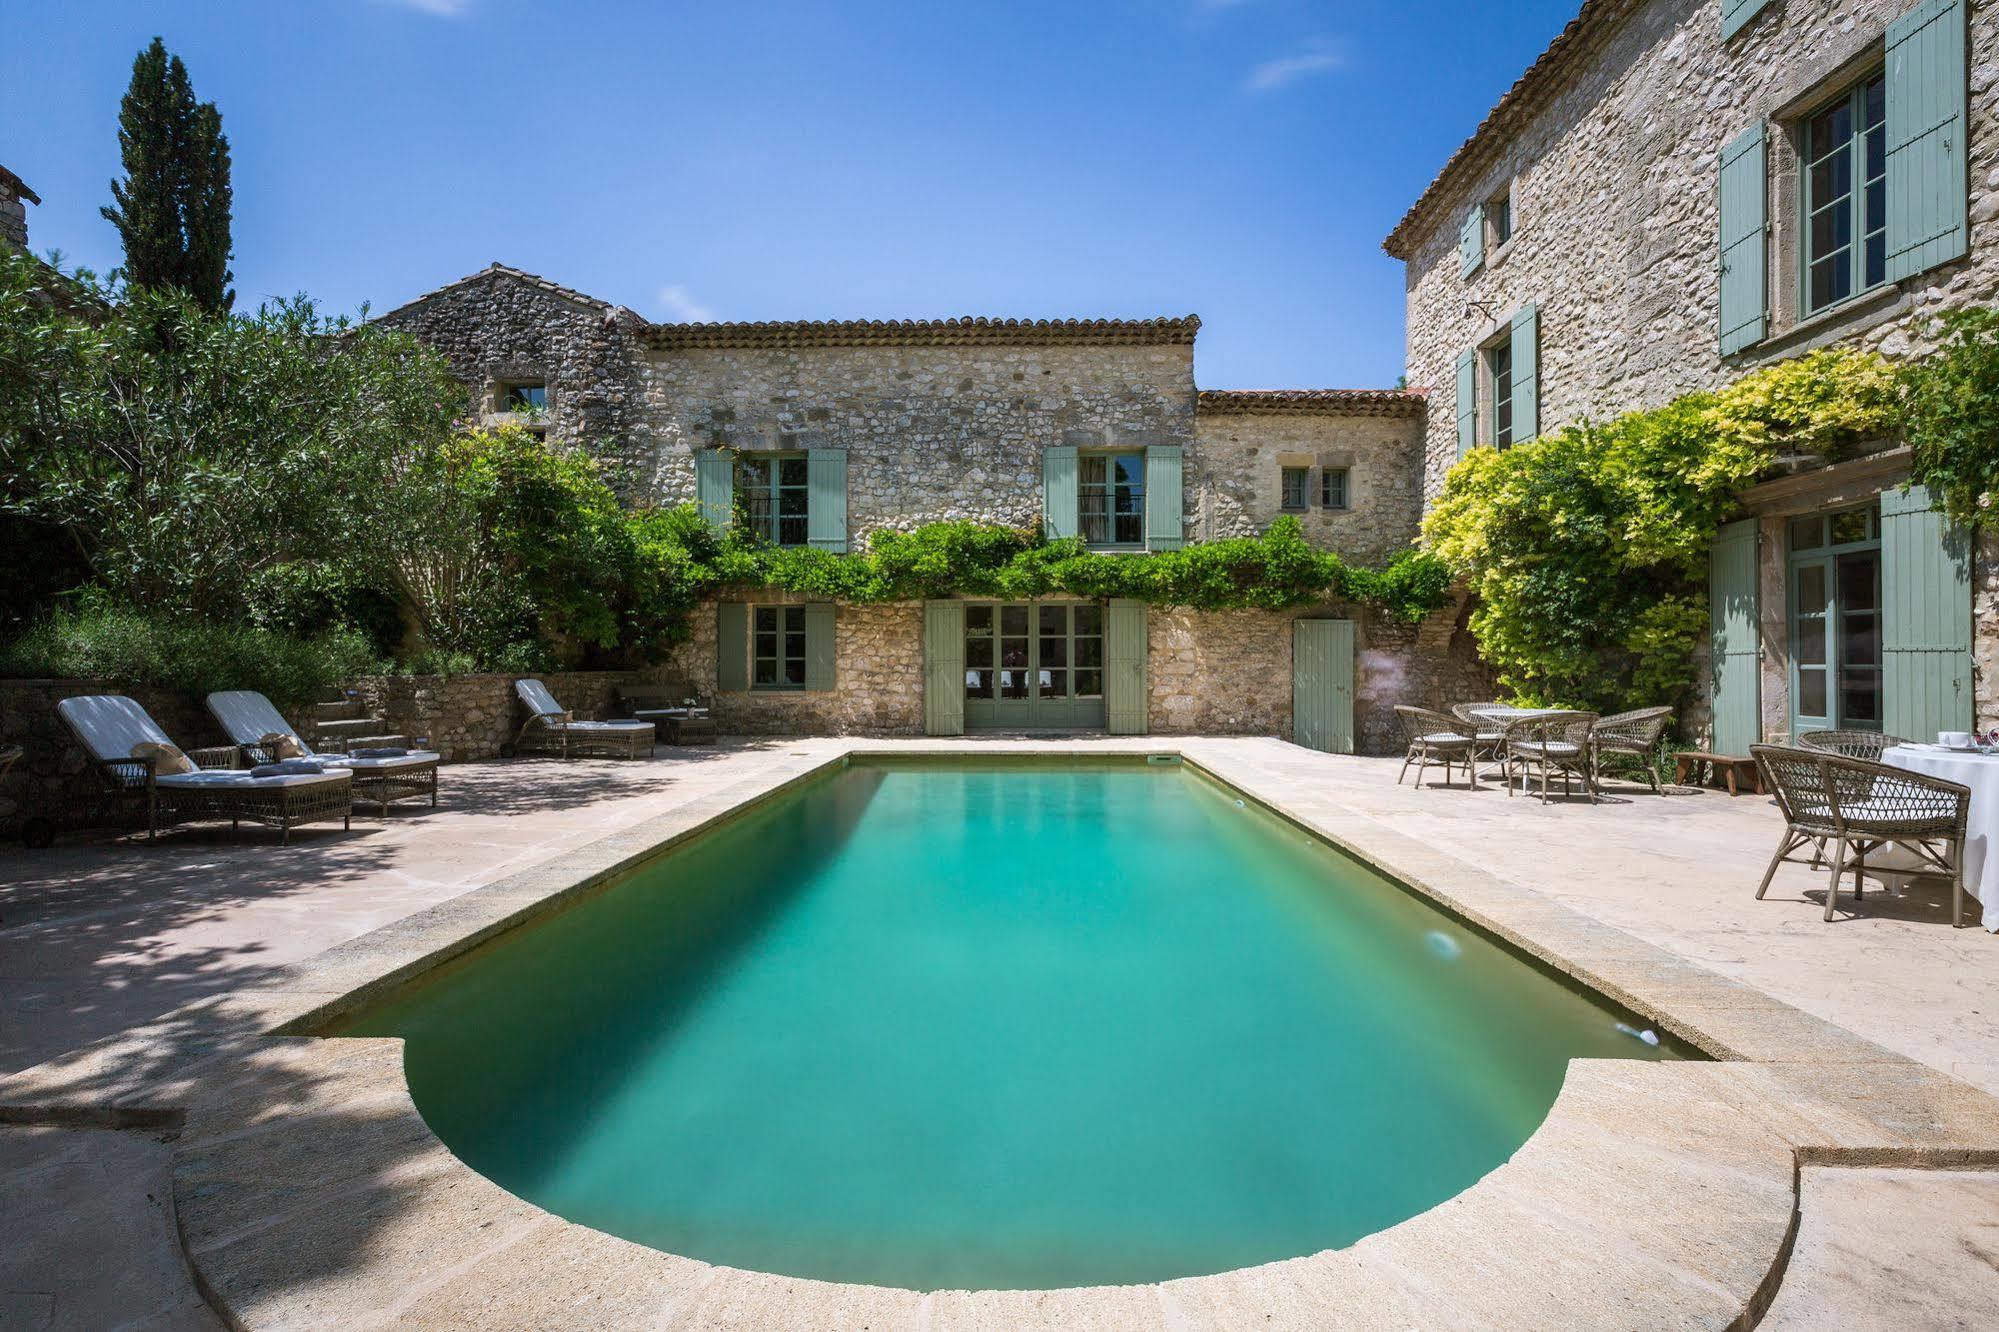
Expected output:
(435, 8)
(682, 308)
(1321, 55)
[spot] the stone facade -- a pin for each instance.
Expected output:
(15, 196)
(943, 420)
(1608, 150)
(1611, 146)
(1248, 439)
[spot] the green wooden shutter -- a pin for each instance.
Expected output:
(1471, 241)
(1735, 13)
(732, 646)
(1125, 692)
(826, 499)
(1736, 696)
(715, 486)
(1744, 266)
(1058, 493)
(1322, 685)
(943, 668)
(1165, 504)
(1526, 374)
(1927, 185)
(1467, 402)
(819, 638)
(1925, 618)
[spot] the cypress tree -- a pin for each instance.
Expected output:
(172, 208)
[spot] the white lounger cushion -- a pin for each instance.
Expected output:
(110, 724)
(415, 758)
(539, 701)
(235, 779)
(602, 726)
(247, 716)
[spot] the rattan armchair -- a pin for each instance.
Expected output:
(1434, 737)
(1552, 742)
(1850, 744)
(1629, 739)
(1488, 732)
(1863, 806)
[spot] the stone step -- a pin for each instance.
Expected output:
(348, 727)
(342, 744)
(343, 709)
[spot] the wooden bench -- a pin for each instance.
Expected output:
(1735, 770)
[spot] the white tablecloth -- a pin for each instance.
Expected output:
(1981, 774)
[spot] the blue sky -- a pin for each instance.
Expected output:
(1237, 159)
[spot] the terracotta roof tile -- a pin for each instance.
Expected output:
(1328, 402)
(923, 332)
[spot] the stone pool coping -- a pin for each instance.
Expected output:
(309, 1191)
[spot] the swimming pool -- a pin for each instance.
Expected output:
(994, 1024)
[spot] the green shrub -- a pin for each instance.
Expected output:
(189, 656)
(1952, 416)
(307, 597)
(1587, 547)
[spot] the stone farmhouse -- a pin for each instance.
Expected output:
(1680, 191)
(827, 432)
(1676, 192)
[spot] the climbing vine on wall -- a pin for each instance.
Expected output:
(1952, 417)
(1587, 547)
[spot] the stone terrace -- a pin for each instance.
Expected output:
(104, 937)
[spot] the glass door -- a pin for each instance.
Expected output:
(1835, 589)
(1034, 666)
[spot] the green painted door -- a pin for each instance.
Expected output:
(1322, 685)
(943, 668)
(1126, 694)
(1926, 618)
(1033, 665)
(1735, 694)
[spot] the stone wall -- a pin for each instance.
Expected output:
(1615, 214)
(1210, 673)
(931, 432)
(503, 326)
(468, 717)
(1244, 453)
(1229, 672)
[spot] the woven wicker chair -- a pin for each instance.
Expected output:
(247, 718)
(1488, 733)
(1863, 806)
(1552, 742)
(1628, 739)
(1850, 744)
(1434, 737)
(553, 729)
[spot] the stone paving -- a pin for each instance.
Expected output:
(105, 939)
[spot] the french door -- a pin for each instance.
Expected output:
(1835, 577)
(1034, 665)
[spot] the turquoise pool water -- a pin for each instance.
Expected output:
(1010, 1025)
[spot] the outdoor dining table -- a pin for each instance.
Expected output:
(1980, 772)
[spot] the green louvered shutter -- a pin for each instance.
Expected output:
(714, 487)
(1467, 402)
(1736, 696)
(1735, 13)
(1124, 668)
(732, 646)
(826, 500)
(1471, 241)
(1058, 492)
(1925, 618)
(1165, 507)
(1322, 685)
(1526, 347)
(819, 639)
(943, 668)
(1744, 266)
(1927, 184)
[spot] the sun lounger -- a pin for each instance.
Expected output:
(552, 729)
(251, 721)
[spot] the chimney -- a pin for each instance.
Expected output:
(15, 196)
